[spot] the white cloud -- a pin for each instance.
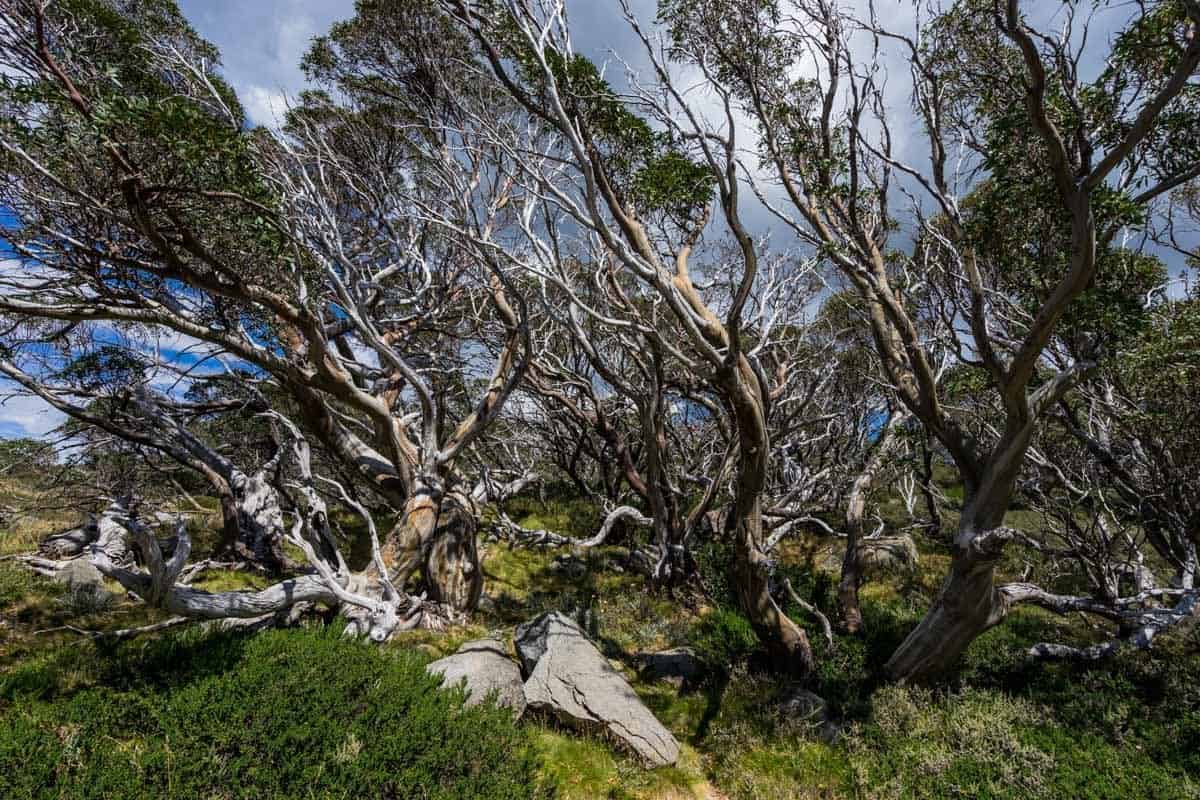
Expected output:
(26, 415)
(264, 106)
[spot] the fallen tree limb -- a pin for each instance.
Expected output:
(544, 538)
(120, 633)
(1139, 624)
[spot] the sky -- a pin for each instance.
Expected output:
(262, 42)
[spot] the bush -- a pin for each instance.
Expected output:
(280, 714)
(853, 668)
(985, 743)
(926, 744)
(714, 559)
(722, 639)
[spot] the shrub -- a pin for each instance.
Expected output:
(722, 639)
(924, 744)
(849, 672)
(281, 714)
(83, 599)
(713, 563)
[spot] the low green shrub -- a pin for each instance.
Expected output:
(985, 743)
(722, 639)
(848, 672)
(714, 560)
(281, 714)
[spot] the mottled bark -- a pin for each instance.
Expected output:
(437, 536)
(260, 522)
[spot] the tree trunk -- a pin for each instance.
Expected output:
(231, 532)
(452, 570)
(251, 519)
(856, 508)
(259, 523)
(967, 605)
(786, 641)
(437, 536)
(931, 501)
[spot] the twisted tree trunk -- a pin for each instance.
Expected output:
(968, 603)
(786, 641)
(437, 536)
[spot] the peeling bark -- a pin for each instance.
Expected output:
(437, 536)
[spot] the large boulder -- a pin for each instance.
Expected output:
(887, 555)
(568, 678)
(485, 666)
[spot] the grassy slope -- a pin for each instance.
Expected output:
(998, 728)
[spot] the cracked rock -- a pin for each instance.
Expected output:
(568, 678)
(486, 667)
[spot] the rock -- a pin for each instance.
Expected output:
(887, 555)
(568, 678)
(85, 588)
(678, 666)
(800, 706)
(569, 565)
(486, 667)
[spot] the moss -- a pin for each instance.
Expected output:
(226, 580)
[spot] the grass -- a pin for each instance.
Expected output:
(999, 727)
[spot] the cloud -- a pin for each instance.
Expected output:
(264, 106)
(26, 415)
(261, 45)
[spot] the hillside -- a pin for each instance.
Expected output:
(998, 728)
